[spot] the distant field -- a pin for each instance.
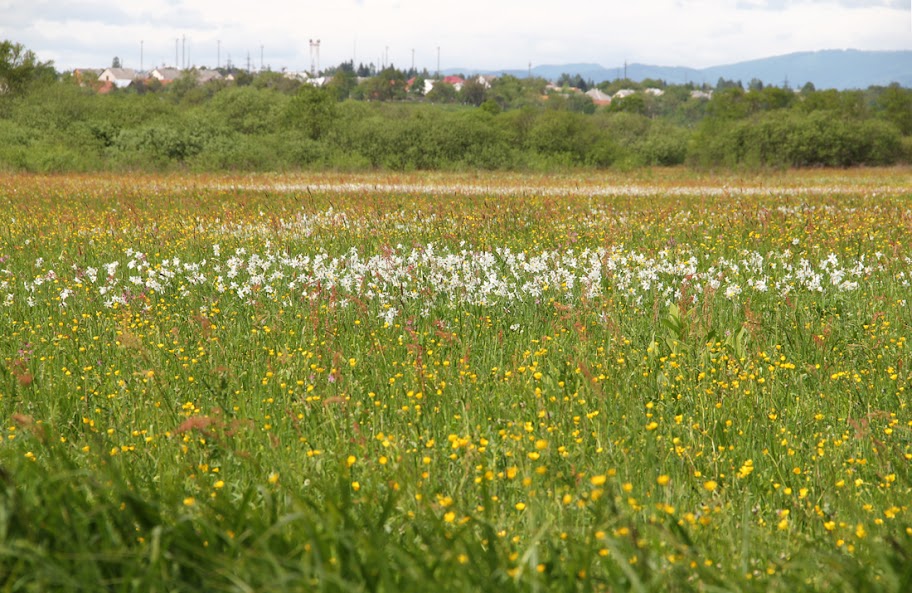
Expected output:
(668, 381)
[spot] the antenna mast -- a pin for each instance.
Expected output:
(314, 57)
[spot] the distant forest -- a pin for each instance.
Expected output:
(268, 122)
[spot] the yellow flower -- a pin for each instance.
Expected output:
(189, 501)
(663, 480)
(598, 480)
(520, 506)
(746, 469)
(273, 478)
(710, 485)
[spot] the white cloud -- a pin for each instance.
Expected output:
(470, 33)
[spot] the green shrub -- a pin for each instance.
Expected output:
(819, 138)
(249, 110)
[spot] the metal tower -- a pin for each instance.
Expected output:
(314, 57)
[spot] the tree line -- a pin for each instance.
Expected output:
(266, 121)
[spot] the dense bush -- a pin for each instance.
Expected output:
(272, 124)
(796, 140)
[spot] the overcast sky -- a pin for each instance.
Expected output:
(471, 34)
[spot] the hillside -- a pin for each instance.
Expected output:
(838, 69)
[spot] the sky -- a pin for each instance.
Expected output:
(470, 34)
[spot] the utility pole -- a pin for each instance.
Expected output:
(413, 59)
(176, 63)
(184, 51)
(141, 55)
(248, 61)
(218, 54)
(438, 61)
(261, 57)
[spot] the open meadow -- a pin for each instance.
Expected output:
(666, 381)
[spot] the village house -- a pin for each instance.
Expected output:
(426, 88)
(486, 80)
(118, 77)
(455, 81)
(205, 75)
(165, 75)
(623, 93)
(598, 97)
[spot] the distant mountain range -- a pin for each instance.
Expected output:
(832, 68)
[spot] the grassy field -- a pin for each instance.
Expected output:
(662, 382)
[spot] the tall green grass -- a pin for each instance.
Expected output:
(306, 439)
